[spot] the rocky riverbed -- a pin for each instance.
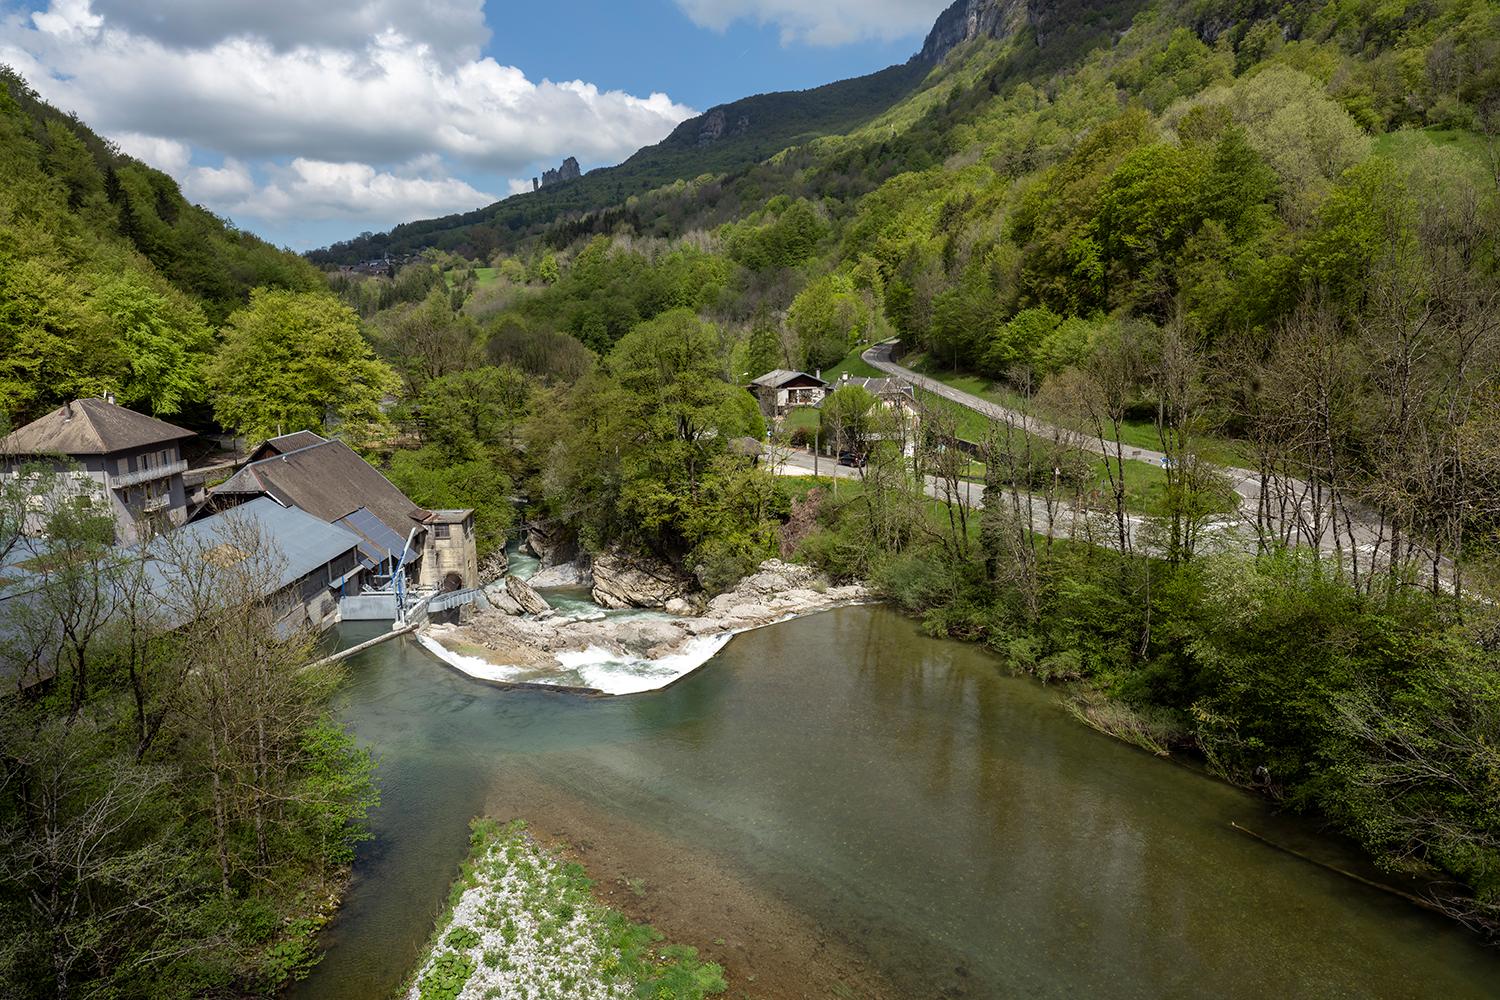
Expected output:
(518, 642)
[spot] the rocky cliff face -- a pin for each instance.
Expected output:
(970, 19)
(569, 171)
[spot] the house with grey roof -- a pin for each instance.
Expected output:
(897, 396)
(782, 390)
(133, 461)
(330, 481)
(299, 566)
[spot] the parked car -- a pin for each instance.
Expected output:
(852, 458)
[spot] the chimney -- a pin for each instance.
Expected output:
(109, 398)
(843, 378)
(818, 374)
(67, 411)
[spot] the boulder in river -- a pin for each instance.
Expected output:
(500, 600)
(522, 593)
(624, 580)
(569, 574)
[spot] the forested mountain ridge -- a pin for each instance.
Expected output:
(110, 280)
(725, 138)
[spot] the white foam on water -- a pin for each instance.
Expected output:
(594, 667)
(612, 674)
(474, 666)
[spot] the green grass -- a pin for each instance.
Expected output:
(854, 365)
(804, 418)
(1133, 434)
(482, 276)
(1405, 144)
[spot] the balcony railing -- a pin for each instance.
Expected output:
(156, 504)
(122, 480)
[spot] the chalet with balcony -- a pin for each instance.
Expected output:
(781, 390)
(133, 461)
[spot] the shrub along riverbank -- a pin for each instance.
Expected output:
(177, 808)
(521, 922)
(1377, 707)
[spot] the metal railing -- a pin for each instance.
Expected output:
(452, 599)
(121, 480)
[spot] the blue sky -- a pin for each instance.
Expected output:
(310, 122)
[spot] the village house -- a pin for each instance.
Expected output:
(300, 567)
(897, 396)
(781, 390)
(131, 460)
(433, 549)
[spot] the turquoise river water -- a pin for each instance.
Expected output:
(947, 826)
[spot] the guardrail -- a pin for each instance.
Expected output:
(122, 480)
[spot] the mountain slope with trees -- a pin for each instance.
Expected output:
(109, 279)
(1206, 229)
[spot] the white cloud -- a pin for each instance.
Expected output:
(821, 22)
(451, 27)
(163, 154)
(389, 101)
(382, 100)
(224, 185)
(357, 191)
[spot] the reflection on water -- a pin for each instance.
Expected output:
(950, 822)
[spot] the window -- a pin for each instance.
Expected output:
(440, 531)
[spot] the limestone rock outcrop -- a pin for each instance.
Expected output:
(967, 20)
(625, 580)
(775, 592)
(568, 574)
(514, 596)
(522, 593)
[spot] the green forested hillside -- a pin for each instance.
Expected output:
(724, 139)
(1223, 232)
(109, 278)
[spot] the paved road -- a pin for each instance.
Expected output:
(1288, 508)
(1062, 521)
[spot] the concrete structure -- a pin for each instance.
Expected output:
(782, 390)
(450, 559)
(134, 462)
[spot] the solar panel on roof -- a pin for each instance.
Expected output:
(367, 525)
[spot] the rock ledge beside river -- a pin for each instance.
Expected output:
(777, 592)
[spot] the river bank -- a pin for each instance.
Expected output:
(873, 810)
(595, 651)
(524, 922)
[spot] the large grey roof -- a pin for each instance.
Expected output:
(781, 376)
(296, 542)
(90, 427)
(879, 386)
(287, 443)
(329, 481)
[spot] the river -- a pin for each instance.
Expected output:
(940, 828)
